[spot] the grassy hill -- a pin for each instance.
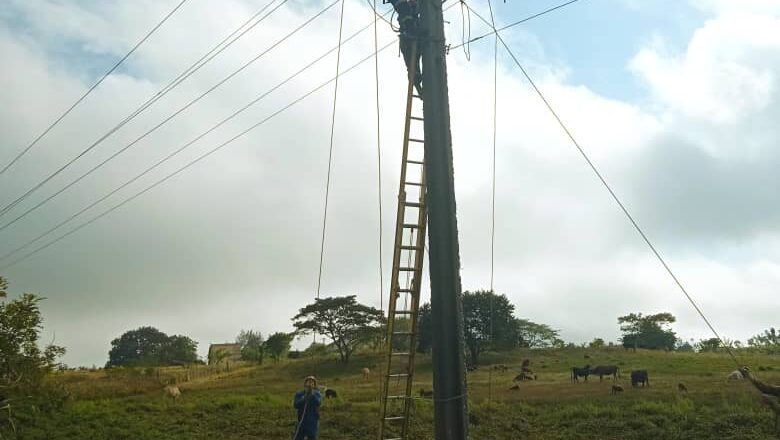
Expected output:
(255, 402)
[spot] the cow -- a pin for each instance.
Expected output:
(426, 394)
(525, 375)
(330, 393)
(606, 370)
(616, 389)
(682, 388)
(366, 373)
(640, 376)
(577, 372)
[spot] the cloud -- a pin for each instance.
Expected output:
(234, 241)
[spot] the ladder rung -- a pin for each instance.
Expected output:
(413, 183)
(417, 162)
(403, 333)
(397, 397)
(403, 312)
(393, 419)
(400, 354)
(411, 225)
(407, 269)
(405, 290)
(398, 375)
(410, 248)
(417, 96)
(416, 118)
(419, 141)
(413, 204)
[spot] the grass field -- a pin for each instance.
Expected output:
(255, 402)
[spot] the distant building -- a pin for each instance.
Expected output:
(220, 353)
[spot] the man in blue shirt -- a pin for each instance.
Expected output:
(307, 402)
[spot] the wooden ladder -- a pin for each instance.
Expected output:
(402, 312)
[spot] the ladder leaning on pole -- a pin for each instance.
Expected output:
(402, 312)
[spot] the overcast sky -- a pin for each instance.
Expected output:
(676, 101)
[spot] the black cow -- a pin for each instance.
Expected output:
(606, 370)
(639, 376)
(331, 393)
(577, 372)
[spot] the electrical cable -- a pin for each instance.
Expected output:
(192, 162)
(187, 145)
(378, 160)
(493, 196)
(94, 86)
(165, 121)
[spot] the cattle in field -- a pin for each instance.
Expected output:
(515, 387)
(330, 393)
(172, 391)
(606, 370)
(525, 375)
(682, 388)
(640, 376)
(426, 394)
(366, 373)
(577, 372)
(616, 389)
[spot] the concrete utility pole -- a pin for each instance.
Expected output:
(449, 372)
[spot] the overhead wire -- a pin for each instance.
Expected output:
(186, 145)
(92, 88)
(192, 162)
(546, 11)
(493, 195)
(378, 160)
(330, 151)
(614, 196)
(169, 118)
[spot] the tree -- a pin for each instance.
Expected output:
(252, 346)
(596, 343)
(533, 335)
(488, 323)
(708, 345)
(278, 344)
(147, 346)
(648, 332)
(767, 342)
(23, 364)
(342, 319)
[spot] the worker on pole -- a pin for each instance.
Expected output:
(409, 32)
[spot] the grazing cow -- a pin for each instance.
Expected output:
(426, 394)
(172, 391)
(616, 389)
(735, 375)
(640, 376)
(525, 375)
(577, 372)
(515, 387)
(331, 393)
(606, 370)
(682, 388)
(366, 373)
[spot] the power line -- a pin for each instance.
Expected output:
(330, 150)
(168, 119)
(378, 162)
(614, 196)
(194, 161)
(546, 11)
(94, 86)
(493, 189)
(187, 145)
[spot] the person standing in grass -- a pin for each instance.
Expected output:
(307, 402)
(771, 395)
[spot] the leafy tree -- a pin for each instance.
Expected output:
(342, 319)
(424, 329)
(23, 364)
(278, 344)
(318, 349)
(708, 345)
(648, 332)
(767, 342)
(147, 346)
(252, 346)
(488, 323)
(533, 335)
(684, 347)
(596, 343)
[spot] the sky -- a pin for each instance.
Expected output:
(676, 103)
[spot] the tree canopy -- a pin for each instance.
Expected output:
(488, 323)
(278, 344)
(341, 319)
(533, 335)
(650, 332)
(767, 342)
(252, 346)
(147, 346)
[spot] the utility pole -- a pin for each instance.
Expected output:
(449, 372)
